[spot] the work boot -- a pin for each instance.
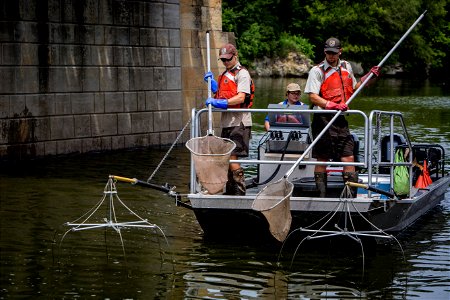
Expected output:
(230, 185)
(352, 177)
(239, 180)
(321, 183)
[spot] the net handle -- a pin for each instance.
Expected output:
(208, 62)
(294, 166)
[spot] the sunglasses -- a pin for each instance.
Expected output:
(295, 93)
(226, 59)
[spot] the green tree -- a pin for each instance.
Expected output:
(367, 28)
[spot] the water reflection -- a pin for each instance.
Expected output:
(37, 201)
(38, 197)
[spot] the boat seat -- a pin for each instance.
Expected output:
(433, 154)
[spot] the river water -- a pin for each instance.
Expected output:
(39, 197)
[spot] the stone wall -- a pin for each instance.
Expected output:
(293, 65)
(95, 75)
(196, 20)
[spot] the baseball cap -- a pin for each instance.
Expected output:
(293, 87)
(333, 45)
(227, 51)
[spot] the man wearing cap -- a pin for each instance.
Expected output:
(330, 84)
(233, 90)
(293, 93)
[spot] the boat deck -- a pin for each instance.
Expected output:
(377, 208)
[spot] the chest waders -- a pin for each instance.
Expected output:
(236, 183)
(321, 178)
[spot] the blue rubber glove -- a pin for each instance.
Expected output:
(218, 103)
(214, 85)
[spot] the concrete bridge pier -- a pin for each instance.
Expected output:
(101, 75)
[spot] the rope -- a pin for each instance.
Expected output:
(168, 152)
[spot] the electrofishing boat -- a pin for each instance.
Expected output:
(399, 180)
(282, 199)
(376, 210)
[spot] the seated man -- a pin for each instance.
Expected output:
(293, 93)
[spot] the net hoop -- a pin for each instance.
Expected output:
(194, 142)
(273, 201)
(211, 157)
(269, 197)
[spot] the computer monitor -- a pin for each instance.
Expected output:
(279, 119)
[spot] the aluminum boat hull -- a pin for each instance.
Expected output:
(232, 217)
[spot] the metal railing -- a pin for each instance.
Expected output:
(367, 162)
(196, 132)
(373, 117)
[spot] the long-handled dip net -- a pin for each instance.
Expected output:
(211, 154)
(273, 200)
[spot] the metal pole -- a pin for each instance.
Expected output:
(387, 56)
(289, 172)
(208, 58)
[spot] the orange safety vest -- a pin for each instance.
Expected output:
(337, 85)
(228, 88)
